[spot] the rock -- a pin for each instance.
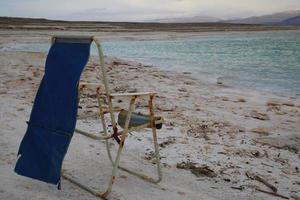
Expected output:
(182, 90)
(166, 108)
(241, 129)
(273, 103)
(203, 171)
(123, 176)
(188, 82)
(170, 140)
(260, 130)
(132, 90)
(35, 74)
(224, 98)
(236, 129)
(233, 130)
(238, 188)
(256, 153)
(115, 62)
(3, 92)
(241, 99)
(148, 66)
(258, 115)
(120, 89)
(197, 171)
(288, 104)
(278, 103)
(274, 108)
(200, 130)
(181, 193)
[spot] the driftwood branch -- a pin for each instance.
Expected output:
(271, 193)
(269, 185)
(262, 180)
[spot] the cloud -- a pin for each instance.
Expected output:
(136, 10)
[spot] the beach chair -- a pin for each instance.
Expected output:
(54, 114)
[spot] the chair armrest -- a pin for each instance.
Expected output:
(135, 94)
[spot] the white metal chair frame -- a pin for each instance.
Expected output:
(105, 135)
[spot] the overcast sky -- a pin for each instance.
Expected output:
(139, 10)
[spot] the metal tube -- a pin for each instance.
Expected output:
(105, 82)
(123, 137)
(151, 112)
(90, 135)
(101, 114)
(82, 186)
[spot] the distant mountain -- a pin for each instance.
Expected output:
(194, 19)
(275, 18)
(294, 21)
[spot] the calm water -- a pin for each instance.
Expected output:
(264, 61)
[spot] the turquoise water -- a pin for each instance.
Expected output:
(264, 61)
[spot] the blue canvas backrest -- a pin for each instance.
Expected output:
(65, 62)
(67, 58)
(53, 116)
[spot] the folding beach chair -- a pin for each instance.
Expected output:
(54, 114)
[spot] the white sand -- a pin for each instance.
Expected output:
(208, 124)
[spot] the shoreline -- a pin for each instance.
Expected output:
(11, 23)
(211, 79)
(131, 36)
(223, 129)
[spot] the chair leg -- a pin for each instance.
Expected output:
(118, 156)
(156, 149)
(115, 167)
(154, 134)
(115, 163)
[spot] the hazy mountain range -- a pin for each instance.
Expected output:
(294, 21)
(194, 19)
(275, 18)
(288, 18)
(282, 18)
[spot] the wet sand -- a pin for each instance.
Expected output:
(214, 139)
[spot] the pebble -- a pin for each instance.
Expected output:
(258, 115)
(241, 99)
(260, 130)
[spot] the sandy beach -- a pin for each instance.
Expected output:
(215, 143)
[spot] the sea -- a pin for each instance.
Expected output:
(266, 61)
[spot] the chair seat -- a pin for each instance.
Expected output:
(137, 119)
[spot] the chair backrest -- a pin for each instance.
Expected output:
(53, 117)
(102, 69)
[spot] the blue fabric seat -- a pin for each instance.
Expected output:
(53, 117)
